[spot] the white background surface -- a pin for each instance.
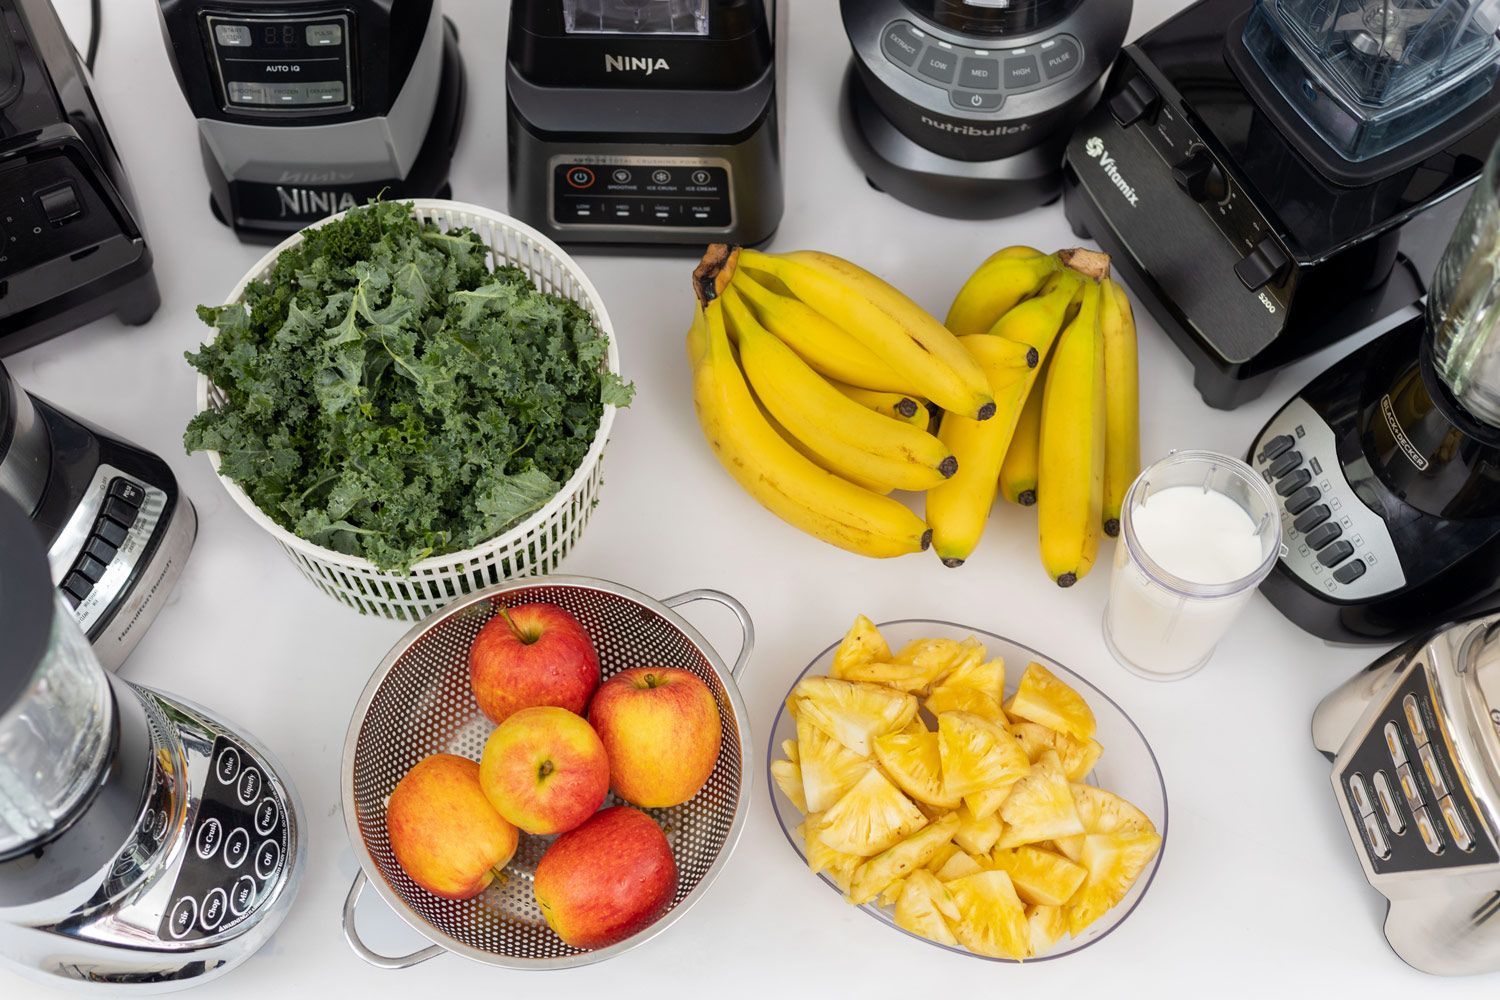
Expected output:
(1259, 890)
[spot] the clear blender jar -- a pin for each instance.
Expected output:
(636, 17)
(1371, 75)
(1463, 305)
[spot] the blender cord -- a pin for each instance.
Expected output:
(96, 29)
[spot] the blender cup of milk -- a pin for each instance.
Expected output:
(1198, 533)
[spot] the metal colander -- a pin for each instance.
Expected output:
(418, 703)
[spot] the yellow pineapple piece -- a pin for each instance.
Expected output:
(891, 893)
(936, 655)
(1047, 701)
(977, 754)
(823, 859)
(942, 856)
(1114, 861)
(1078, 757)
(1046, 925)
(914, 762)
(862, 644)
(976, 834)
(991, 919)
(973, 671)
(1040, 806)
(925, 908)
(853, 713)
(987, 803)
(959, 866)
(899, 861)
(828, 769)
(910, 677)
(788, 775)
(962, 699)
(1040, 877)
(1101, 812)
(872, 816)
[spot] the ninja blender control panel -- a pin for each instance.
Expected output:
(1404, 791)
(979, 79)
(1331, 541)
(282, 64)
(236, 849)
(641, 192)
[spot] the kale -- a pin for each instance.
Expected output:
(389, 395)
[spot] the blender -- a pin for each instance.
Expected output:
(1388, 465)
(144, 843)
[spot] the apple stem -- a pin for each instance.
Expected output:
(528, 640)
(545, 769)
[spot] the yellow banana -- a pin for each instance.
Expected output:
(896, 405)
(996, 286)
(959, 508)
(1018, 473)
(845, 434)
(891, 325)
(1038, 320)
(772, 471)
(1070, 480)
(819, 341)
(1122, 411)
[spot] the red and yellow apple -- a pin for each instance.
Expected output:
(545, 770)
(661, 730)
(608, 879)
(444, 832)
(535, 654)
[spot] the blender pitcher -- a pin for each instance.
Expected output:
(1463, 307)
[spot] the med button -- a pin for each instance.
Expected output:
(976, 73)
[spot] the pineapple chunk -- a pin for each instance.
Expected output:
(828, 769)
(1078, 757)
(1114, 861)
(789, 779)
(987, 803)
(1040, 877)
(925, 908)
(961, 865)
(977, 755)
(941, 857)
(853, 713)
(891, 893)
(1043, 699)
(909, 677)
(872, 816)
(1101, 812)
(862, 644)
(977, 834)
(899, 861)
(936, 655)
(914, 762)
(821, 858)
(974, 672)
(1040, 806)
(1046, 925)
(962, 699)
(991, 919)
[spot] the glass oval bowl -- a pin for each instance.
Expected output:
(1128, 768)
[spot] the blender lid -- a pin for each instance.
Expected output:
(26, 602)
(992, 17)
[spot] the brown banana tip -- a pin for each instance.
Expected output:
(1032, 357)
(952, 562)
(985, 412)
(1090, 263)
(714, 271)
(1112, 527)
(926, 539)
(948, 467)
(1027, 498)
(1067, 579)
(907, 408)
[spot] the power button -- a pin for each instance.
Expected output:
(580, 177)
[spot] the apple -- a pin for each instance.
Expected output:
(535, 654)
(661, 730)
(444, 832)
(608, 879)
(544, 769)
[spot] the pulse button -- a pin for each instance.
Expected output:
(1137, 100)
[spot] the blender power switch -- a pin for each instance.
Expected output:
(1137, 100)
(1262, 265)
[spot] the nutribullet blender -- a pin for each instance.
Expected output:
(144, 844)
(1388, 465)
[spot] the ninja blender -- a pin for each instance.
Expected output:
(1388, 465)
(144, 843)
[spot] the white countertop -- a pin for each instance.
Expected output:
(1259, 890)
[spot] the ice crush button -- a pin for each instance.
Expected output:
(1425, 827)
(1413, 713)
(210, 836)
(1378, 844)
(1393, 744)
(1360, 794)
(901, 43)
(1457, 828)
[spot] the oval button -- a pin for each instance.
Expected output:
(242, 896)
(237, 847)
(214, 905)
(249, 786)
(266, 815)
(227, 766)
(267, 858)
(210, 836)
(184, 916)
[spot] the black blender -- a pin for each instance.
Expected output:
(1388, 465)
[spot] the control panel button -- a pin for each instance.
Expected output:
(1021, 72)
(1454, 821)
(78, 585)
(1379, 846)
(319, 35)
(234, 36)
(1387, 800)
(210, 837)
(1393, 744)
(60, 204)
(1286, 463)
(1199, 177)
(1060, 56)
(184, 916)
(1311, 518)
(267, 857)
(702, 177)
(1336, 553)
(1293, 481)
(1276, 447)
(286, 93)
(1323, 534)
(1350, 571)
(901, 43)
(120, 512)
(1135, 101)
(1302, 499)
(237, 847)
(249, 786)
(976, 73)
(266, 815)
(1430, 837)
(325, 92)
(1360, 794)
(242, 895)
(1430, 769)
(114, 534)
(247, 92)
(214, 905)
(1413, 713)
(1409, 789)
(1262, 265)
(227, 765)
(973, 100)
(123, 489)
(938, 64)
(91, 568)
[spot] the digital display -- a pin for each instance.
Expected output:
(279, 36)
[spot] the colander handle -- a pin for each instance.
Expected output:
(351, 902)
(747, 627)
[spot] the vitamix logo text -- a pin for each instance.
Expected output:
(1095, 150)
(633, 64)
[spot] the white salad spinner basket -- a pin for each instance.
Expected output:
(536, 545)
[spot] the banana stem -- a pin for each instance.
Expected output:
(1090, 263)
(714, 271)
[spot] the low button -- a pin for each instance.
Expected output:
(120, 512)
(249, 786)
(1378, 844)
(214, 905)
(1059, 57)
(1302, 499)
(210, 836)
(266, 815)
(938, 64)
(1430, 768)
(1360, 794)
(267, 857)
(242, 895)
(1293, 481)
(1454, 821)
(1286, 463)
(976, 73)
(184, 916)
(1332, 555)
(123, 489)
(1021, 72)
(237, 847)
(227, 767)
(973, 100)
(901, 43)
(1311, 518)
(1323, 534)
(1413, 713)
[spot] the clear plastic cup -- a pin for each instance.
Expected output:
(1157, 624)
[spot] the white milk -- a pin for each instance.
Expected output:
(1168, 627)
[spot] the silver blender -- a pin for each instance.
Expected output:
(144, 844)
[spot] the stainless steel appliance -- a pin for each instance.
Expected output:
(963, 107)
(144, 843)
(309, 108)
(116, 528)
(647, 123)
(1274, 176)
(1388, 464)
(71, 246)
(1415, 745)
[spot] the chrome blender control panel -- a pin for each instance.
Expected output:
(1331, 540)
(642, 192)
(237, 847)
(282, 64)
(979, 79)
(1405, 792)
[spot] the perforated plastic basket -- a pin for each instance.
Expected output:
(536, 545)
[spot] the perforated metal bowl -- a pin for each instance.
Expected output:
(418, 703)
